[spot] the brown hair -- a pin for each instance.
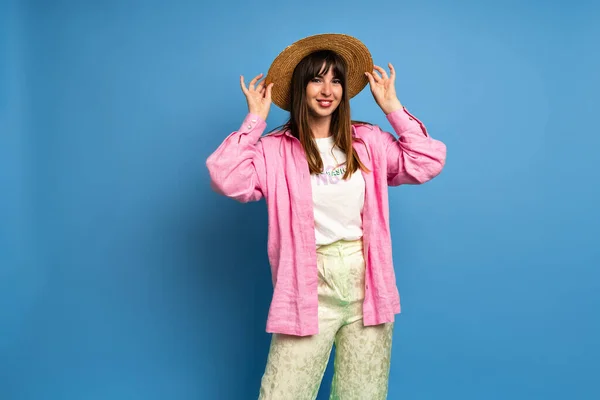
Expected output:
(341, 124)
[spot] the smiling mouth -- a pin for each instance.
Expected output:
(325, 103)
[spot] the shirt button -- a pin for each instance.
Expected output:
(254, 120)
(249, 126)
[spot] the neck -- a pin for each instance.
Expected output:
(320, 127)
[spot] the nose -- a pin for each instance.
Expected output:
(326, 89)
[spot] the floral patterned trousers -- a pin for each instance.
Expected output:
(296, 364)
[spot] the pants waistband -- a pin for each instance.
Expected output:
(341, 246)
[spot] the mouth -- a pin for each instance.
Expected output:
(325, 103)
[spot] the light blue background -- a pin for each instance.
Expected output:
(123, 276)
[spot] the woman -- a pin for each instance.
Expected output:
(325, 181)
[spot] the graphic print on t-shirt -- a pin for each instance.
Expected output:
(331, 175)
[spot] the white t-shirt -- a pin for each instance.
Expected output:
(338, 203)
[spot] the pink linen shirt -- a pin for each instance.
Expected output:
(248, 166)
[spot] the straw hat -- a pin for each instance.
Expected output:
(353, 51)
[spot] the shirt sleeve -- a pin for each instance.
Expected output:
(413, 157)
(237, 167)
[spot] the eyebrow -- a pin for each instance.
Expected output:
(335, 76)
(322, 76)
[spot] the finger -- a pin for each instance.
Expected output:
(243, 85)
(253, 81)
(261, 86)
(370, 78)
(268, 91)
(376, 76)
(392, 71)
(381, 70)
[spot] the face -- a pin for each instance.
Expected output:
(324, 94)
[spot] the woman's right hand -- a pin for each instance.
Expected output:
(258, 98)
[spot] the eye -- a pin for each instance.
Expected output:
(316, 79)
(337, 81)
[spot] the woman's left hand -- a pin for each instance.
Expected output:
(383, 89)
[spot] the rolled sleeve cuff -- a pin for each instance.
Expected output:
(253, 125)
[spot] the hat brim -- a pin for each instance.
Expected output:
(353, 51)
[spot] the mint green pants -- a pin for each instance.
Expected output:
(295, 365)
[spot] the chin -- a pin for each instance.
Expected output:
(320, 114)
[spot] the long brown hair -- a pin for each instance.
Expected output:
(315, 64)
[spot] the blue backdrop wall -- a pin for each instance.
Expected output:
(123, 276)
